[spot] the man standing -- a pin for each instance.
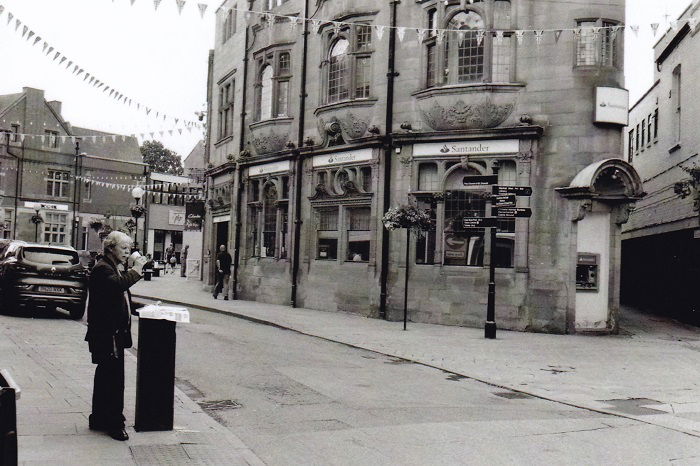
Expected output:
(183, 260)
(109, 330)
(169, 253)
(223, 271)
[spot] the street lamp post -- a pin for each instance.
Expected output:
(137, 193)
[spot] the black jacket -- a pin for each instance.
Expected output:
(109, 323)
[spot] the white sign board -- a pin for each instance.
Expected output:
(612, 105)
(45, 206)
(482, 147)
(221, 218)
(351, 156)
(176, 217)
(266, 168)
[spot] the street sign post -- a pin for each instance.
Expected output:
(517, 190)
(511, 212)
(503, 200)
(480, 180)
(479, 222)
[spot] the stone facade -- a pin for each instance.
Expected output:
(48, 149)
(661, 140)
(525, 111)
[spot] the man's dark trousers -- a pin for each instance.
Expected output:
(108, 394)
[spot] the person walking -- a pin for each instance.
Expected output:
(109, 309)
(183, 260)
(169, 254)
(223, 271)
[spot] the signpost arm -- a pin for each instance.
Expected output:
(490, 327)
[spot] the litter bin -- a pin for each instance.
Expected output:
(155, 367)
(9, 394)
(147, 274)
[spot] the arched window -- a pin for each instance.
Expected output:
(338, 88)
(265, 93)
(469, 62)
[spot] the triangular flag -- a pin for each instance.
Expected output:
(43, 50)
(654, 27)
(519, 34)
(18, 23)
(58, 54)
(21, 137)
(69, 64)
(179, 130)
(401, 31)
(29, 36)
(9, 17)
(62, 60)
(420, 35)
(613, 32)
(499, 37)
(315, 25)
(180, 5)
(380, 31)
(480, 36)
(92, 78)
(75, 68)
(132, 2)
(202, 8)
(538, 37)
(246, 15)
(114, 138)
(635, 29)
(49, 51)
(38, 38)
(24, 31)
(156, 3)
(2, 8)
(170, 132)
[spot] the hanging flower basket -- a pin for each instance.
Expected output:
(137, 210)
(37, 219)
(95, 224)
(409, 217)
(104, 231)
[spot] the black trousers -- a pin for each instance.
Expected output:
(108, 394)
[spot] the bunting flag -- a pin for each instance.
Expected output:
(400, 32)
(9, 17)
(202, 8)
(132, 2)
(538, 37)
(2, 9)
(420, 35)
(519, 35)
(180, 6)
(654, 28)
(156, 3)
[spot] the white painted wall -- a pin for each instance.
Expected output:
(592, 307)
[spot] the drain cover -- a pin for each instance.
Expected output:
(218, 405)
(513, 395)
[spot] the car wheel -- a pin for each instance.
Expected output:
(77, 312)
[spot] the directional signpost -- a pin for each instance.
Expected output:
(511, 212)
(480, 180)
(479, 222)
(517, 190)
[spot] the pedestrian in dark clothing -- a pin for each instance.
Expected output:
(109, 331)
(169, 254)
(223, 271)
(183, 260)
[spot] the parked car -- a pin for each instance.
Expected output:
(41, 276)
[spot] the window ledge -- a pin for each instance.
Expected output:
(346, 103)
(271, 122)
(223, 140)
(674, 148)
(468, 88)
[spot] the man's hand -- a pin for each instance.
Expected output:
(139, 262)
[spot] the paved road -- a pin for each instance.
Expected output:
(304, 400)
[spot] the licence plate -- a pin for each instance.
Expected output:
(51, 289)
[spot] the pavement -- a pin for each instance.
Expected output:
(650, 372)
(50, 362)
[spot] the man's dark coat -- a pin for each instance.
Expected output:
(109, 325)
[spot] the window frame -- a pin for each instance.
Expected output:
(58, 187)
(55, 229)
(603, 45)
(280, 85)
(227, 91)
(356, 53)
(259, 211)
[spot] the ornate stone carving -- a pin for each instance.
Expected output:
(272, 142)
(623, 213)
(460, 115)
(584, 206)
(352, 126)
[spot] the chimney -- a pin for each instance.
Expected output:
(56, 106)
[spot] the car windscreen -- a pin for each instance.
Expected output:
(50, 256)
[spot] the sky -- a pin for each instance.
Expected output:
(159, 58)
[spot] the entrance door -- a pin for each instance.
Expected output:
(221, 235)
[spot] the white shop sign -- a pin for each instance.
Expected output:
(483, 147)
(266, 168)
(45, 206)
(221, 218)
(176, 218)
(612, 105)
(352, 156)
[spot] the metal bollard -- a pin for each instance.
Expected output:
(9, 394)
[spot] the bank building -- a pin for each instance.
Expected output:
(325, 114)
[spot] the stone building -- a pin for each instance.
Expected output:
(661, 141)
(316, 128)
(40, 160)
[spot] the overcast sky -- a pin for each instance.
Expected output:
(160, 58)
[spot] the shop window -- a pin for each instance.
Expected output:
(268, 220)
(358, 234)
(327, 228)
(428, 177)
(463, 246)
(55, 227)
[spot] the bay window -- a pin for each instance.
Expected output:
(348, 64)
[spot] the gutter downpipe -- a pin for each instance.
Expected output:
(237, 182)
(18, 188)
(298, 162)
(388, 146)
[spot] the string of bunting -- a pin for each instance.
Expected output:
(98, 138)
(90, 79)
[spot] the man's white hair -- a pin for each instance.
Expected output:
(115, 237)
